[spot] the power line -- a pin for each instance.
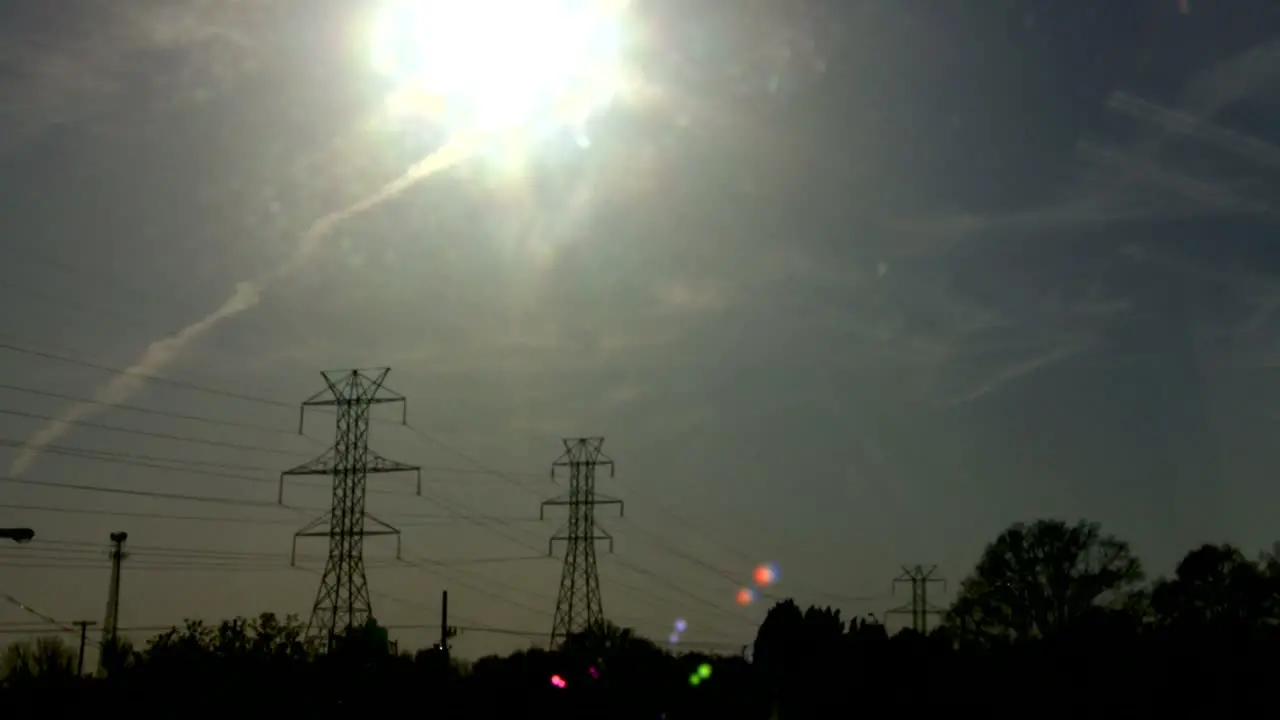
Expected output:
(143, 376)
(413, 519)
(154, 463)
(139, 493)
(145, 433)
(142, 410)
(31, 628)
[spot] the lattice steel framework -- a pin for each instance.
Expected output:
(920, 578)
(342, 602)
(578, 606)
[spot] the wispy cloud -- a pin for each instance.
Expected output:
(246, 296)
(1138, 183)
(1017, 371)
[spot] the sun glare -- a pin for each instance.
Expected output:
(501, 64)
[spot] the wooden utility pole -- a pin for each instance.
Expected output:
(84, 631)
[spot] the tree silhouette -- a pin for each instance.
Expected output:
(1035, 580)
(1056, 619)
(1217, 587)
(44, 658)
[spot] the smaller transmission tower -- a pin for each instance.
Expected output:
(342, 602)
(919, 608)
(578, 605)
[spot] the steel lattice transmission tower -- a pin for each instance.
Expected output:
(578, 605)
(920, 578)
(342, 603)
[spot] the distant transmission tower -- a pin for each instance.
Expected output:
(342, 603)
(578, 605)
(919, 608)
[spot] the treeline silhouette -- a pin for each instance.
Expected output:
(1056, 620)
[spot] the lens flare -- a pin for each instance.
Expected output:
(765, 574)
(558, 681)
(746, 596)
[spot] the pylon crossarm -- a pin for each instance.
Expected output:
(603, 500)
(307, 532)
(554, 502)
(306, 529)
(387, 528)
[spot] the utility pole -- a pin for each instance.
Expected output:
(578, 605)
(342, 602)
(84, 632)
(919, 608)
(110, 623)
(446, 631)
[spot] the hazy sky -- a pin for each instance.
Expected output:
(856, 285)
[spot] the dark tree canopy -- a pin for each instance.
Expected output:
(1217, 585)
(1053, 621)
(1035, 580)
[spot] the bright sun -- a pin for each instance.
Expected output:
(502, 64)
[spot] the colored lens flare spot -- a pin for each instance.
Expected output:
(558, 681)
(681, 625)
(746, 596)
(592, 672)
(704, 671)
(765, 574)
(674, 638)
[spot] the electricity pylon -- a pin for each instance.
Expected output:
(578, 605)
(342, 602)
(919, 608)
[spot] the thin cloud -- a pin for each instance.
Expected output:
(1198, 128)
(1111, 198)
(1015, 372)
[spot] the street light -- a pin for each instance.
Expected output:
(18, 535)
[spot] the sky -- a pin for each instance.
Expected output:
(853, 286)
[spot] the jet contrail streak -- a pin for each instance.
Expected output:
(1245, 146)
(246, 296)
(1014, 372)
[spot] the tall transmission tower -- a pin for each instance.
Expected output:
(342, 602)
(578, 605)
(919, 608)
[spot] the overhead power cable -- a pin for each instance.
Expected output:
(145, 433)
(148, 411)
(144, 376)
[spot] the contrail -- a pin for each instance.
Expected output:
(1245, 146)
(1015, 372)
(246, 296)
